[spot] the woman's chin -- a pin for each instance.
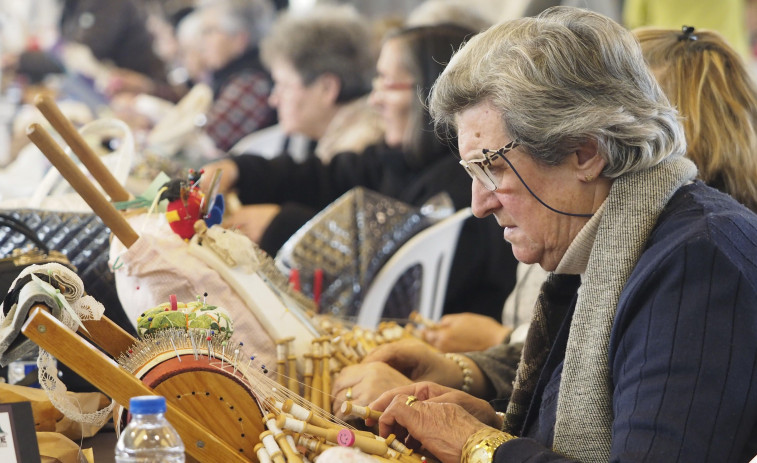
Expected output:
(392, 141)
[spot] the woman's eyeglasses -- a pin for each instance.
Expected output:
(478, 169)
(381, 83)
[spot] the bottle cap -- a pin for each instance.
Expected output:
(147, 404)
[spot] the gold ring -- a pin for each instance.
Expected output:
(411, 399)
(348, 395)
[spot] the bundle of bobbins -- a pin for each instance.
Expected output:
(295, 434)
(208, 374)
(341, 345)
(211, 378)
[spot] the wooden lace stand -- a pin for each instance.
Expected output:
(115, 382)
(193, 422)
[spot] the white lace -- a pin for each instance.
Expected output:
(82, 308)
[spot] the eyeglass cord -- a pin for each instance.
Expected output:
(571, 214)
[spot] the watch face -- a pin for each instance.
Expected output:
(483, 453)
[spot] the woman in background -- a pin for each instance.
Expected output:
(707, 81)
(411, 164)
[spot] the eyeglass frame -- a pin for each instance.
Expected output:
(478, 169)
(482, 164)
(377, 84)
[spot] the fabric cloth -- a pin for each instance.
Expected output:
(483, 269)
(682, 344)
(240, 101)
(62, 291)
(617, 233)
(13, 345)
(159, 265)
(622, 233)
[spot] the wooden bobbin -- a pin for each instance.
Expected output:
(266, 437)
(351, 409)
(326, 376)
(394, 443)
(316, 446)
(293, 385)
(292, 456)
(308, 376)
(282, 347)
(262, 453)
(316, 396)
(366, 444)
(306, 415)
(343, 360)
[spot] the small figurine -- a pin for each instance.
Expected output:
(187, 204)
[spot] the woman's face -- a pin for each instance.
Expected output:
(218, 47)
(302, 109)
(537, 234)
(393, 93)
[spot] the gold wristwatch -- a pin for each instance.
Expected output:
(483, 451)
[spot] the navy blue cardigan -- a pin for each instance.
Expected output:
(683, 347)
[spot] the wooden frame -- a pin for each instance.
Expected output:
(18, 439)
(201, 442)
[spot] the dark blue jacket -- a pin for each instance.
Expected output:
(683, 347)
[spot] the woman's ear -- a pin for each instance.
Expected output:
(589, 164)
(331, 86)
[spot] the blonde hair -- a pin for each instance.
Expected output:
(708, 82)
(560, 79)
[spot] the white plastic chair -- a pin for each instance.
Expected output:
(433, 249)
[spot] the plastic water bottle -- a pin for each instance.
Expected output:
(149, 437)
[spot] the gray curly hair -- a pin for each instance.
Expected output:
(325, 39)
(559, 79)
(253, 17)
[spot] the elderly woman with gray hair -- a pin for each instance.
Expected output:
(644, 338)
(230, 32)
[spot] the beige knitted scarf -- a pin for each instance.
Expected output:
(583, 430)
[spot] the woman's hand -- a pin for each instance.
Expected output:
(252, 220)
(431, 392)
(364, 382)
(418, 361)
(465, 332)
(441, 420)
(229, 176)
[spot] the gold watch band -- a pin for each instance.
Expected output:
(482, 444)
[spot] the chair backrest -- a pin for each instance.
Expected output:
(433, 249)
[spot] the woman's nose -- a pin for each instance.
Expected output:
(273, 98)
(481, 200)
(374, 98)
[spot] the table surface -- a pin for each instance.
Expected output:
(103, 445)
